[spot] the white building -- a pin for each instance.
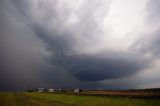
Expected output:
(77, 90)
(40, 90)
(50, 90)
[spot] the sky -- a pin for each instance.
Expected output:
(88, 44)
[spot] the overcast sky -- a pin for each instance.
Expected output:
(88, 44)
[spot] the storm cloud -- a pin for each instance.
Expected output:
(54, 42)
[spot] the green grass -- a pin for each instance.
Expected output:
(51, 99)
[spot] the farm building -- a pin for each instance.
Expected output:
(61, 90)
(77, 90)
(40, 90)
(50, 90)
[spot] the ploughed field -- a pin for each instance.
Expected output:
(86, 98)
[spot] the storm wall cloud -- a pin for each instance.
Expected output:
(54, 42)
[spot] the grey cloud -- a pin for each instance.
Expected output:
(84, 67)
(95, 68)
(90, 67)
(21, 62)
(43, 47)
(151, 11)
(149, 41)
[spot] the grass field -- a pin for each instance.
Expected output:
(51, 99)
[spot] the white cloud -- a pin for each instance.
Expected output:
(124, 15)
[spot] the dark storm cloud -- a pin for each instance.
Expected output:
(96, 68)
(86, 67)
(43, 43)
(107, 65)
(90, 67)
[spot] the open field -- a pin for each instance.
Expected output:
(135, 93)
(59, 99)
